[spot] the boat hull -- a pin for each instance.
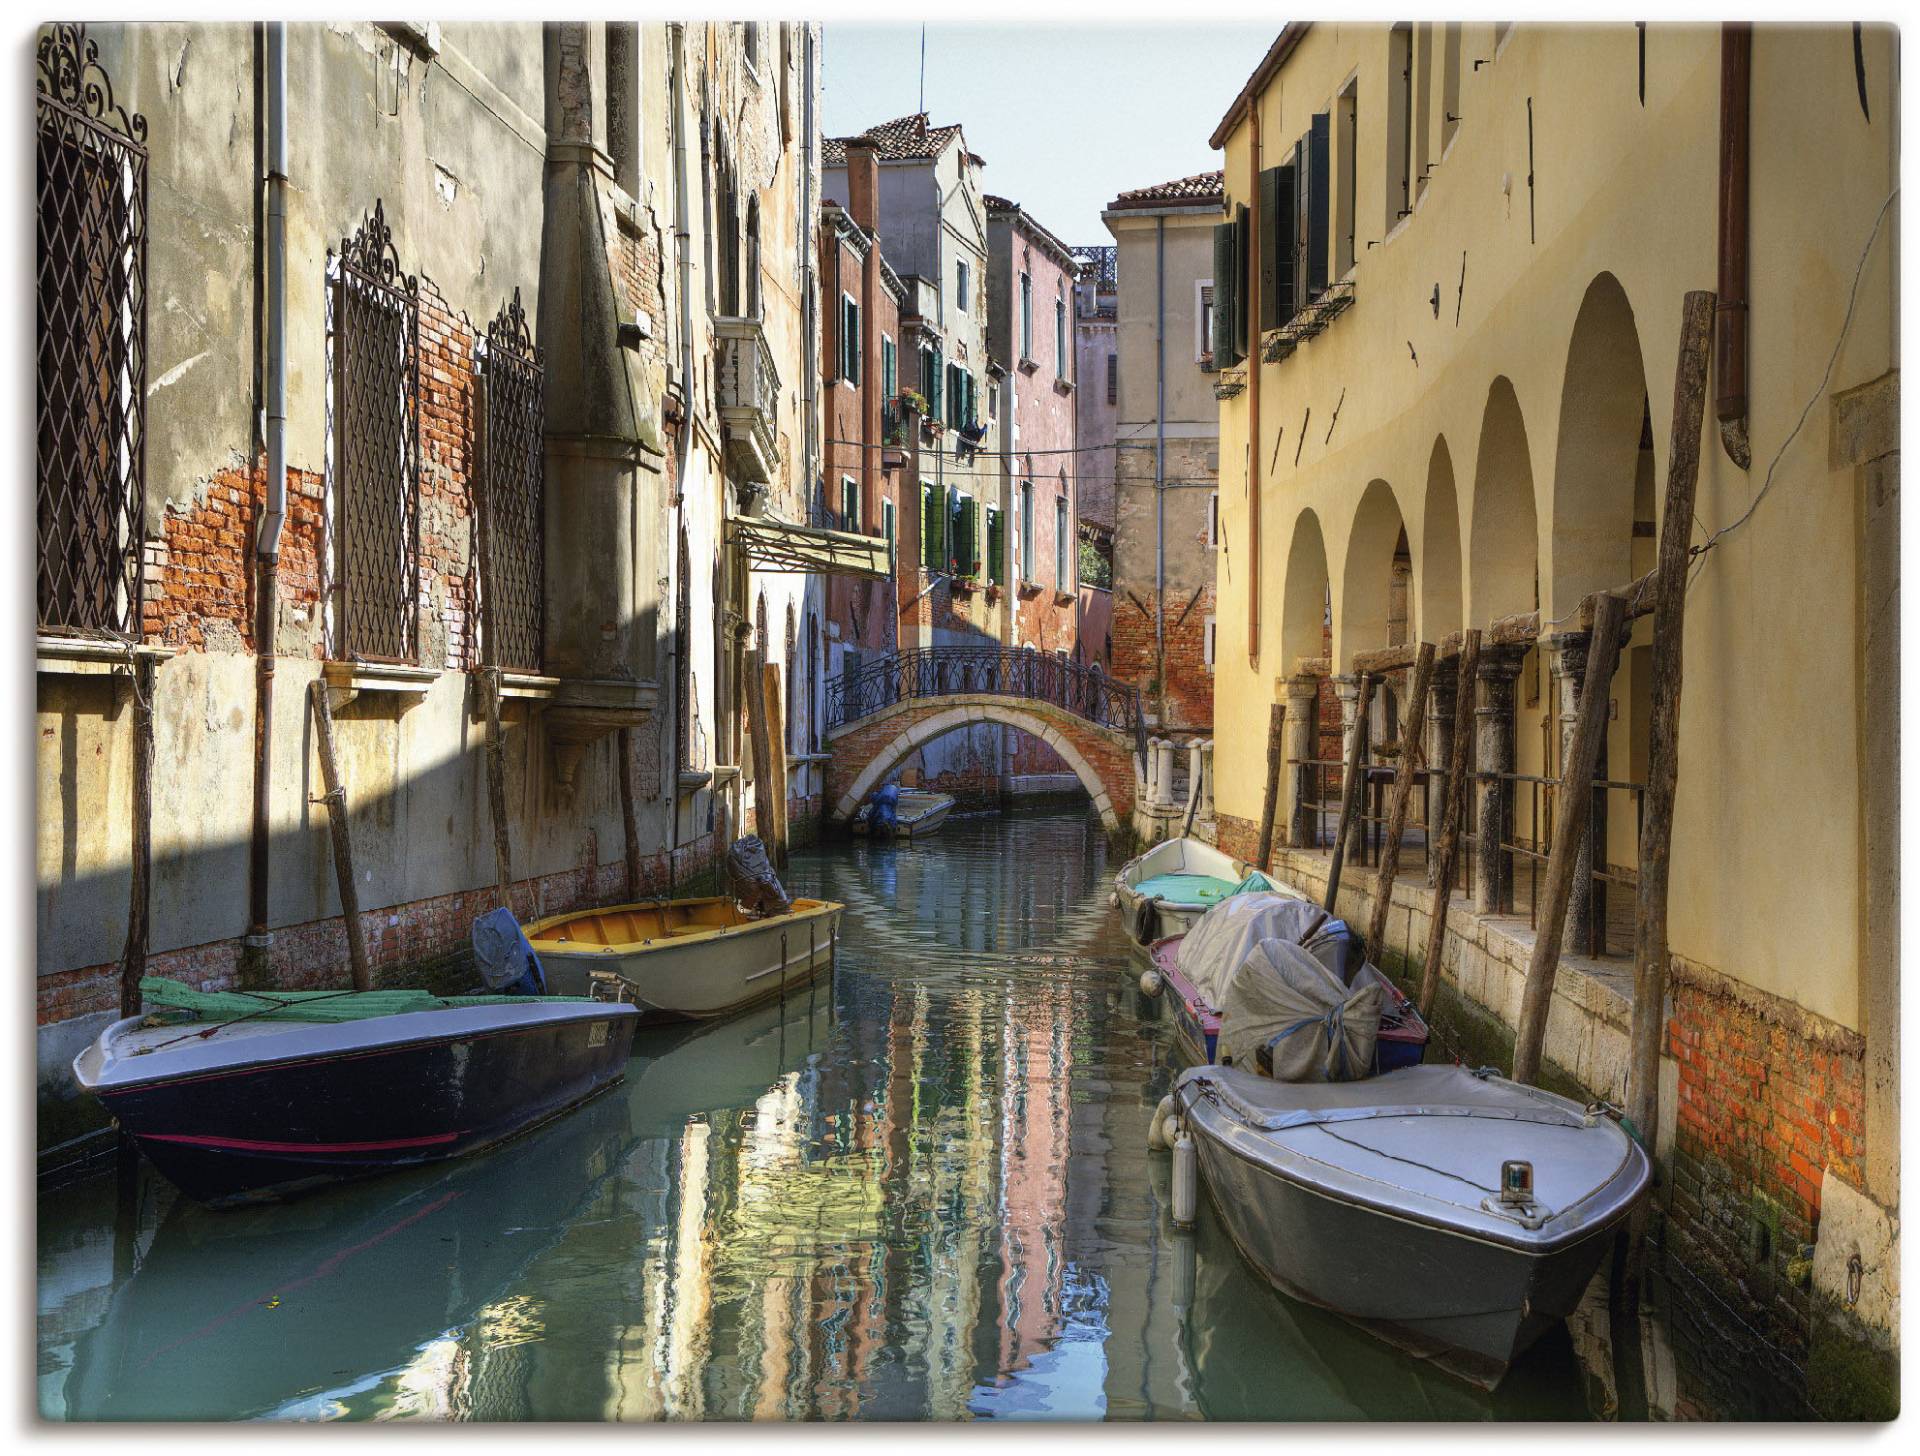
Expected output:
(1469, 1300)
(275, 1128)
(918, 814)
(714, 974)
(1150, 919)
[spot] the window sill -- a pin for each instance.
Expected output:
(691, 781)
(1029, 590)
(347, 680)
(1027, 366)
(1063, 598)
(90, 656)
(1063, 386)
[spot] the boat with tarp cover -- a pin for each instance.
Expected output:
(239, 1096)
(918, 812)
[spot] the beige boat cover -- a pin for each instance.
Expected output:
(1221, 940)
(1315, 1028)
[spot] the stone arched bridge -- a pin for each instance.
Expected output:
(881, 714)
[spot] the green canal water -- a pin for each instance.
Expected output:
(919, 1191)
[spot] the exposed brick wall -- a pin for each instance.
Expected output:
(448, 592)
(1770, 1097)
(420, 943)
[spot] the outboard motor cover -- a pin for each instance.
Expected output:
(506, 962)
(883, 810)
(751, 875)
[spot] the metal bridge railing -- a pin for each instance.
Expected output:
(936, 672)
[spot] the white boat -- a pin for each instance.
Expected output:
(689, 958)
(920, 812)
(1164, 891)
(1456, 1214)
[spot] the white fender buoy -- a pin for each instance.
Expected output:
(1157, 1130)
(1186, 1179)
(1150, 982)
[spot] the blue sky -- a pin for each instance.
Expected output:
(1066, 116)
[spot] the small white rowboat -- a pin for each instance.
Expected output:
(689, 958)
(1164, 891)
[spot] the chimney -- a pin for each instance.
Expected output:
(863, 182)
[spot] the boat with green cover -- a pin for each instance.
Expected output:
(246, 1095)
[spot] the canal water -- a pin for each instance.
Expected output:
(918, 1190)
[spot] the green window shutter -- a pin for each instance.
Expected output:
(935, 370)
(1319, 226)
(967, 547)
(1244, 264)
(996, 548)
(1302, 210)
(930, 553)
(1225, 241)
(1285, 305)
(1271, 182)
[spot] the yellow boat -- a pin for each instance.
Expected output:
(688, 958)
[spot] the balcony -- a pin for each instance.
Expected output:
(749, 389)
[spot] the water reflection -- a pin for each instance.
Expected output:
(919, 1191)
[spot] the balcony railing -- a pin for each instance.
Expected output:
(749, 390)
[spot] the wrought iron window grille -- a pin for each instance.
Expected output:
(91, 294)
(373, 467)
(513, 492)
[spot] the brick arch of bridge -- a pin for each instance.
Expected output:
(866, 750)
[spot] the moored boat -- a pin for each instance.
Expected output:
(1401, 1041)
(1164, 891)
(238, 1096)
(919, 812)
(1455, 1213)
(689, 958)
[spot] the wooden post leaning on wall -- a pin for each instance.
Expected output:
(1663, 732)
(133, 963)
(1411, 756)
(1350, 786)
(336, 802)
(774, 701)
(1569, 833)
(760, 741)
(497, 788)
(1276, 755)
(1448, 851)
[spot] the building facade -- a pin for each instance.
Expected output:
(1167, 451)
(480, 444)
(1096, 330)
(1457, 258)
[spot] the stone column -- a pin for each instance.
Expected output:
(1166, 773)
(1569, 678)
(1441, 697)
(1347, 685)
(1493, 867)
(1303, 707)
(1197, 776)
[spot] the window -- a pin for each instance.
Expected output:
(1207, 648)
(1062, 365)
(960, 280)
(1026, 531)
(753, 257)
(996, 547)
(1026, 316)
(889, 368)
(1113, 379)
(850, 517)
(1276, 245)
(888, 528)
(1399, 124)
(512, 513)
(1229, 299)
(1203, 321)
(849, 339)
(1213, 518)
(1311, 225)
(91, 389)
(965, 515)
(374, 474)
(1062, 544)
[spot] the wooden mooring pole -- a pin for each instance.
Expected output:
(773, 699)
(1276, 756)
(336, 802)
(497, 787)
(760, 735)
(1350, 789)
(1411, 755)
(1663, 732)
(1569, 833)
(133, 963)
(1448, 852)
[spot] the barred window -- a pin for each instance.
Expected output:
(91, 295)
(512, 496)
(374, 494)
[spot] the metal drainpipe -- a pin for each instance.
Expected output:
(683, 445)
(273, 519)
(1160, 469)
(1250, 300)
(1730, 368)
